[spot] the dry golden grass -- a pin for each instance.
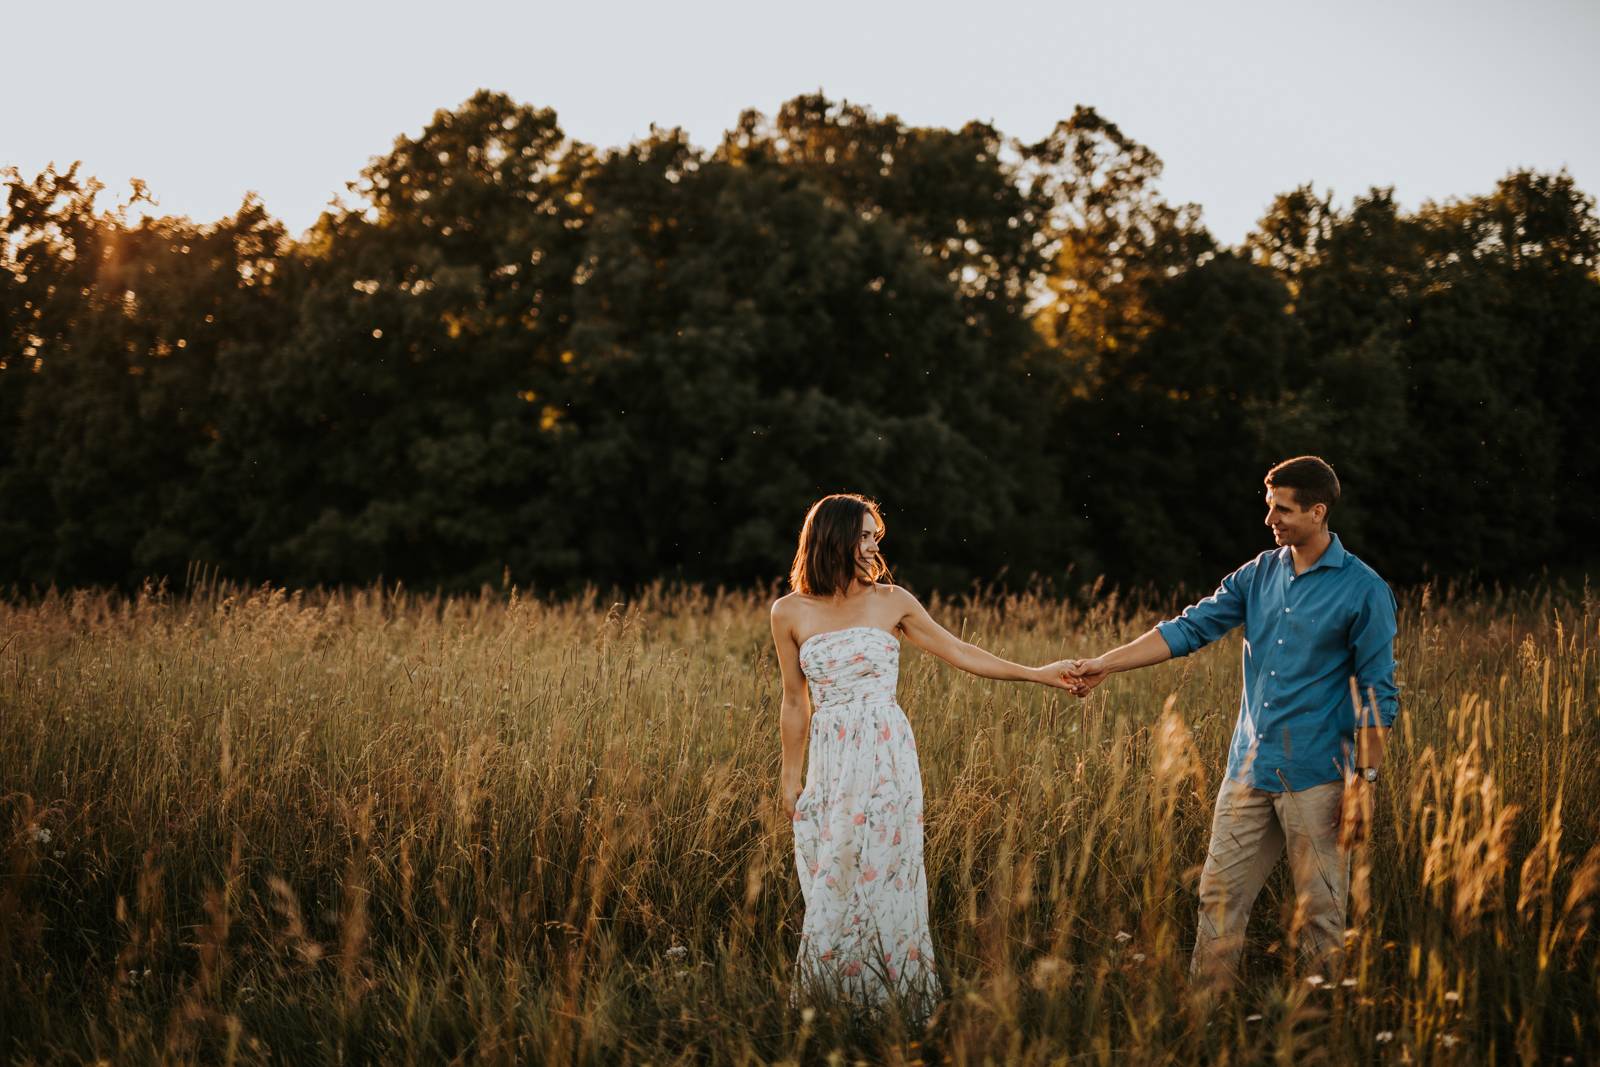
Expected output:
(374, 826)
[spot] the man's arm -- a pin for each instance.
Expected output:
(1198, 626)
(1146, 649)
(1375, 700)
(1374, 696)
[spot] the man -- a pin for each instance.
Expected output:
(1319, 697)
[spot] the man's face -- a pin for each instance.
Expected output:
(1291, 524)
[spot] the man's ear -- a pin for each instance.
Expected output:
(1320, 513)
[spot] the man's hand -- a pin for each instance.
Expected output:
(1084, 674)
(1355, 812)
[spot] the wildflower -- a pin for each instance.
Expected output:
(1449, 1040)
(1315, 980)
(808, 1014)
(677, 952)
(1138, 957)
(1252, 1018)
(1349, 983)
(40, 834)
(1452, 996)
(58, 853)
(1123, 937)
(1385, 1036)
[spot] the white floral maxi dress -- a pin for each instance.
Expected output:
(858, 827)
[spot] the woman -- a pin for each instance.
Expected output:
(858, 822)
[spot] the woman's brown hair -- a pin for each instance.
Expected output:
(825, 561)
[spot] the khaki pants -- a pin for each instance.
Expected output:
(1249, 831)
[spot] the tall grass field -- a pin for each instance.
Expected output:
(371, 826)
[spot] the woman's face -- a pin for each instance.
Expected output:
(867, 548)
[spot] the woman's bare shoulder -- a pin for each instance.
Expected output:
(786, 606)
(898, 599)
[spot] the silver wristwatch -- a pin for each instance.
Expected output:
(1369, 773)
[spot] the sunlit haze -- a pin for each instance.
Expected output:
(1241, 100)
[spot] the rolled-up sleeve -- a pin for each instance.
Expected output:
(1204, 622)
(1372, 650)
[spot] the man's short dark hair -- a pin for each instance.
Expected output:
(1312, 480)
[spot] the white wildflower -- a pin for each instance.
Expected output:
(807, 1015)
(1123, 937)
(1452, 996)
(1315, 980)
(1349, 983)
(58, 853)
(677, 952)
(1252, 1018)
(1138, 957)
(40, 834)
(1385, 1036)
(1449, 1040)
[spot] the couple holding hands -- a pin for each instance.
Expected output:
(1318, 698)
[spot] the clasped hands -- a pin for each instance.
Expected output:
(1077, 676)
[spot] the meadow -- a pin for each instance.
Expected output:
(256, 826)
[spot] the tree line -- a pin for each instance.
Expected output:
(516, 355)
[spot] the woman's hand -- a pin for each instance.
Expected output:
(1056, 675)
(789, 787)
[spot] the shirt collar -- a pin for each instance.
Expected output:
(1332, 557)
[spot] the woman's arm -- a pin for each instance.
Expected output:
(922, 631)
(794, 714)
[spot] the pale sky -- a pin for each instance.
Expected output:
(1242, 100)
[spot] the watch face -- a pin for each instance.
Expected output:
(1370, 773)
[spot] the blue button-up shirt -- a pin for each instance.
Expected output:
(1305, 637)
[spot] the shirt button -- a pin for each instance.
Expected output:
(1273, 673)
(1287, 610)
(1266, 703)
(1280, 640)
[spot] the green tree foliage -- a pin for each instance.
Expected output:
(745, 342)
(1182, 425)
(1451, 351)
(109, 389)
(394, 427)
(512, 353)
